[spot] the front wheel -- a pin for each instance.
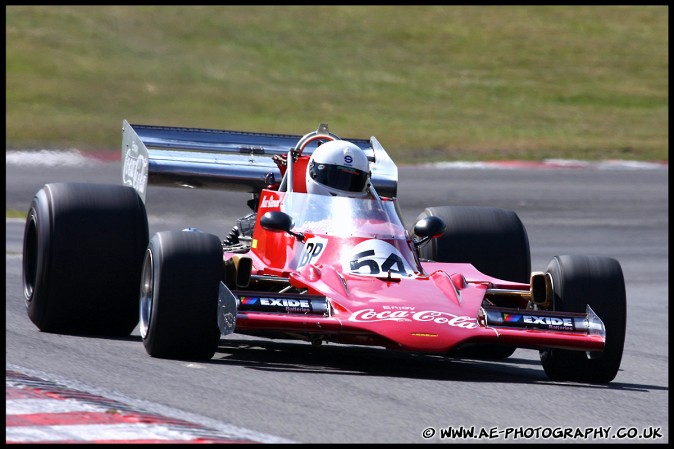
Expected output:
(579, 281)
(179, 295)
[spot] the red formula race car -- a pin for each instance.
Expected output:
(323, 256)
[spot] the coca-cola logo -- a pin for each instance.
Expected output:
(134, 172)
(370, 315)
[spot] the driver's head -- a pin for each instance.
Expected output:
(338, 168)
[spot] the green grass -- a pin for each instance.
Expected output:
(13, 213)
(430, 82)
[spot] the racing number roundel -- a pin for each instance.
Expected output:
(376, 258)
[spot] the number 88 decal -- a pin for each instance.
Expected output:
(376, 257)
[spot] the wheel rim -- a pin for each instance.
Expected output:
(30, 258)
(146, 293)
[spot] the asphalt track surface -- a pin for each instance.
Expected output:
(279, 391)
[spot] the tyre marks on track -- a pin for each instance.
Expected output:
(40, 411)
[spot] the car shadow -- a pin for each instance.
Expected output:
(337, 359)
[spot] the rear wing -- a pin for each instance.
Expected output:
(220, 159)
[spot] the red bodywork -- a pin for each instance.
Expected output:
(431, 307)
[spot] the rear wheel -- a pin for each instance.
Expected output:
(82, 255)
(579, 281)
(179, 295)
(493, 240)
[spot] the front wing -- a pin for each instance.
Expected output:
(318, 318)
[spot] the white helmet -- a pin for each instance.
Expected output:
(338, 168)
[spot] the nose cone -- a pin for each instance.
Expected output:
(419, 314)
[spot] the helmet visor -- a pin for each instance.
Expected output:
(339, 177)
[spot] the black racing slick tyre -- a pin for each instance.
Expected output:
(493, 240)
(179, 295)
(579, 281)
(83, 250)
